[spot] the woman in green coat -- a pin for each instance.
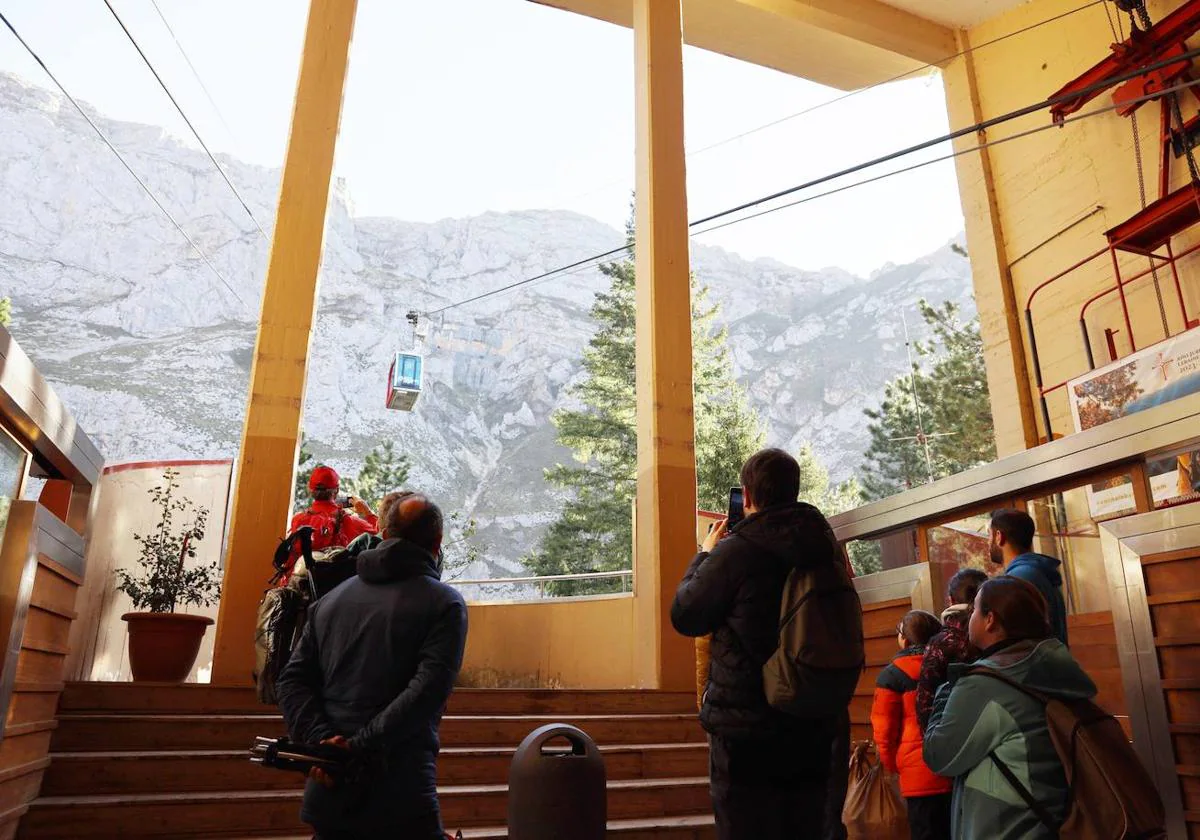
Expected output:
(976, 717)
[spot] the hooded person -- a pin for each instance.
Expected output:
(372, 674)
(769, 770)
(979, 721)
(950, 646)
(1011, 535)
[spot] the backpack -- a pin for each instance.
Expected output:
(281, 616)
(324, 531)
(815, 669)
(1112, 797)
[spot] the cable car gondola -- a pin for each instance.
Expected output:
(406, 374)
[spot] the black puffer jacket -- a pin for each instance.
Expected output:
(734, 593)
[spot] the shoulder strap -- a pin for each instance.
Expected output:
(1038, 809)
(337, 520)
(996, 675)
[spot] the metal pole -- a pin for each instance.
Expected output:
(1124, 302)
(1087, 344)
(1037, 373)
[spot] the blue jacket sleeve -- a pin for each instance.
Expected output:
(299, 689)
(424, 697)
(706, 594)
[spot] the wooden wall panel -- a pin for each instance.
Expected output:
(1174, 599)
(879, 630)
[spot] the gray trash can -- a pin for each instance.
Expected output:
(555, 794)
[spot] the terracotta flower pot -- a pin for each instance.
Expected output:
(163, 646)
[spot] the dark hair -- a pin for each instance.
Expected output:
(771, 477)
(964, 586)
(324, 494)
(422, 527)
(918, 627)
(1018, 606)
(1016, 526)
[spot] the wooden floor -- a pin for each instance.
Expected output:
(171, 761)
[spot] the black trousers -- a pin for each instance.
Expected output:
(839, 780)
(763, 790)
(929, 817)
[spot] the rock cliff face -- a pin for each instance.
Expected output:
(152, 351)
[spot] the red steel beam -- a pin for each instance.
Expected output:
(1139, 49)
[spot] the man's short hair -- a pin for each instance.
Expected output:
(771, 477)
(1016, 526)
(964, 586)
(421, 527)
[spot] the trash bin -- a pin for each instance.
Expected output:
(554, 794)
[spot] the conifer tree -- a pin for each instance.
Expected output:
(594, 531)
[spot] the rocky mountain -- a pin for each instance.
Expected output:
(151, 349)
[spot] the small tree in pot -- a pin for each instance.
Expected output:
(163, 644)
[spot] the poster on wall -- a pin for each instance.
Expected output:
(1150, 377)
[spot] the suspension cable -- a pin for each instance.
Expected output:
(121, 158)
(220, 169)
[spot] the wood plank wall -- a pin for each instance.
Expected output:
(44, 559)
(879, 632)
(1173, 594)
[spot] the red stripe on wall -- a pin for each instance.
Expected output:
(148, 465)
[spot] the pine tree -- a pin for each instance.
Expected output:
(5, 311)
(948, 385)
(304, 471)
(382, 472)
(594, 531)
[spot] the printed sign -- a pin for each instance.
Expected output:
(1150, 377)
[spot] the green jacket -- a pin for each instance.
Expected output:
(976, 715)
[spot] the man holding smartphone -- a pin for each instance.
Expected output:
(329, 515)
(770, 771)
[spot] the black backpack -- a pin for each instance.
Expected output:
(815, 669)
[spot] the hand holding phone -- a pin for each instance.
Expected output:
(737, 510)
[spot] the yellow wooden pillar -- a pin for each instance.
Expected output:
(665, 537)
(267, 459)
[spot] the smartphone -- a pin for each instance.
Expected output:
(737, 510)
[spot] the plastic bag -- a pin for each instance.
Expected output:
(874, 807)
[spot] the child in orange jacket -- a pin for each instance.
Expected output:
(898, 734)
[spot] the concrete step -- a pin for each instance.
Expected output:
(188, 771)
(154, 698)
(241, 813)
(143, 732)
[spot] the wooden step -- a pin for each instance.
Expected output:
(187, 771)
(154, 698)
(116, 733)
(692, 827)
(242, 812)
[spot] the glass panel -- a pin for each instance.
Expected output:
(890, 551)
(961, 544)
(1174, 479)
(13, 462)
(1067, 529)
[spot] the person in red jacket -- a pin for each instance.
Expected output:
(332, 524)
(898, 735)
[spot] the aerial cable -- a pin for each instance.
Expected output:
(195, 133)
(195, 72)
(849, 94)
(953, 135)
(121, 158)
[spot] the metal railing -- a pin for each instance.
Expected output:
(541, 581)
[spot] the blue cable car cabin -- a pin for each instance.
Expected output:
(404, 381)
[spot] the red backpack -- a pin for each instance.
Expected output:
(325, 532)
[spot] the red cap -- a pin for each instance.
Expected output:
(323, 477)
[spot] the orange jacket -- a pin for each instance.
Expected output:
(897, 732)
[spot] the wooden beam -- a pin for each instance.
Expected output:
(665, 535)
(263, 494)
(870, 22)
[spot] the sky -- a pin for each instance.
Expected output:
(458, 107)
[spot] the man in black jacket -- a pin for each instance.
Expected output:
(372, 673)
(769, 770)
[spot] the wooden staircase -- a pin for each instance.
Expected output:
(171, 761)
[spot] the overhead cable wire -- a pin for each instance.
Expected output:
(121, 158)
(958, 153)
(220, 169)
(951, 136)
(195, 72)
(897, 78)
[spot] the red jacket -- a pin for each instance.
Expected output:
(332, 526)
(897, 733)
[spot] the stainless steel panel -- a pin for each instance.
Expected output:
(1125, 542)
(906, 582)
(1160, 429)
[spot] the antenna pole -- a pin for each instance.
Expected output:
(912, 379)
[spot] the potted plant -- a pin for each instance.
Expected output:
(163, 644)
